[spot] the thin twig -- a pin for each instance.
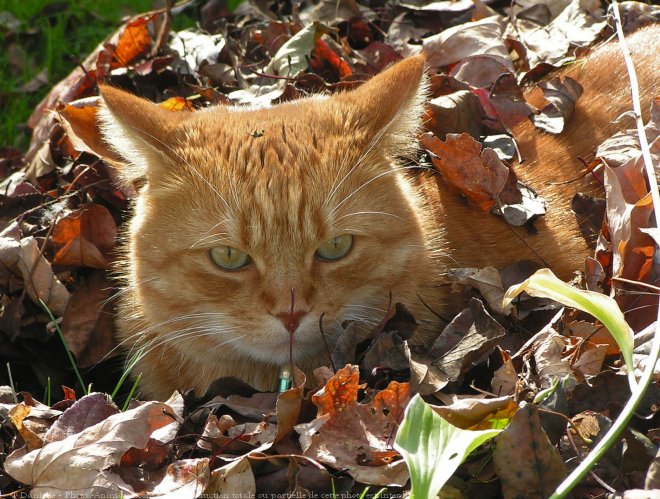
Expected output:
(325, 342)
(638, 283)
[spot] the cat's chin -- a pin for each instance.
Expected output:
(277, 351)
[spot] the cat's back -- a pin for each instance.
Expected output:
(553, 165)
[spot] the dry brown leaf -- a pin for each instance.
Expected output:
(505, 379)
(288, 408)
(562, 96)
(578, 24)
(235, 479)
(478, 175)
(17, 415)
(548, 349)
(459, 112)
(591, 361)
(86, 237)
(79, 463)
(39, 279)
(87, 321)
(537, 468)
(594, 333)
(465, 40)
(470, 412)
(489, 283)
(88, 411)
(78, 119)
(480, 335)
(357, 437)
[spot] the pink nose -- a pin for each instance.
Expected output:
(290, 319)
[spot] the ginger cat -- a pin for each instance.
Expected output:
(254, 222)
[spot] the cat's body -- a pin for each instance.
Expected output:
(277, 185)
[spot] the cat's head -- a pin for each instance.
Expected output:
(254, 222)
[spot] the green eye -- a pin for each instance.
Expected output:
(229, 258)
(335, 248)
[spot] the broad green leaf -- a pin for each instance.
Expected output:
(433, 448)
(545, 284)
(292, 57)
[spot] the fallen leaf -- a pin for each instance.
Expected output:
(235, 479)
(40, 282)
(474, 412)
(590, 212)
(479, 337)
(590, 363)
(177, 104)
(78, 119)
(489, 283)
(577, 24)
(537, 468)
(88, 411)
(185, 478)
(465, 40)
(17, 415)
(135, 39)
(291, 58)
(56, 468)
(478, 175)
(459, 112)
(87, 321)
(86, 237)
(357, 437)
(505, 378)
(562, 96)
(288, 406)
(195, 50)
(548, 355)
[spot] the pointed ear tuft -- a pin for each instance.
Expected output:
(137, 129)
(390, 105)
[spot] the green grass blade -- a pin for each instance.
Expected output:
(131, 364)
(130, 394)
(11, 384)
(66, 347)
(433, 448)
(545, 284)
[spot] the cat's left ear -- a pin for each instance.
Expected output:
(139, 131)
(388, 108)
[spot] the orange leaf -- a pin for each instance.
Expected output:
(69, 393)
(177, 104)
(86, 236)
(17, 414)
(134, 41)
(478, 175)
(325, 53)
(340, 391)
(79, 122)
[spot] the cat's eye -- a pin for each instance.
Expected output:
(335, 248)
(229, 258)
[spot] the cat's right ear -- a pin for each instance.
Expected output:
(137, 130)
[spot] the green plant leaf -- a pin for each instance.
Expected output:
(545, 284)
(433, 448)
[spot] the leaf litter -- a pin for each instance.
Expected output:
(61, 209)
